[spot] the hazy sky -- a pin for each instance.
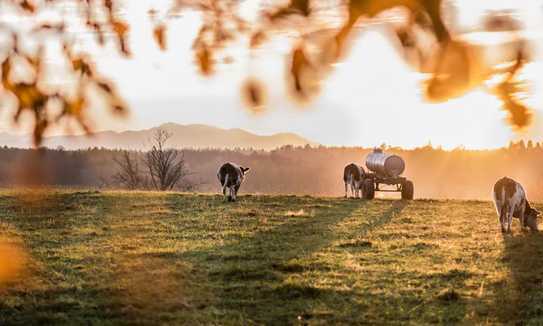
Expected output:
(370, 98)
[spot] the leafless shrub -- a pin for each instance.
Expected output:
(129, 174)
(166, 166)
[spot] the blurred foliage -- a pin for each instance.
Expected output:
(29, 39)
(451, 67)
(13, 259)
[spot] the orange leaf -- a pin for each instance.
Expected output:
(28, 6)
(205, 61)
(119, 27)
(160, 37)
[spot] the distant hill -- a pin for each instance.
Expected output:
(183, 136)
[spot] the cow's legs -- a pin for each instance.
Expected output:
(358, 192)
(502, 213)
(236, 189)
(345, 189)
(232, 193)
(229, 194)
(510, 218)
(521, 217)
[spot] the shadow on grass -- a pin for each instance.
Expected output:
(520, 299)
(65, 286)
(386, 217)
(260, 278)
(57, 306)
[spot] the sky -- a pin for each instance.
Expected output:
(371, 97)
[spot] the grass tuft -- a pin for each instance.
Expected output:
(448, 295)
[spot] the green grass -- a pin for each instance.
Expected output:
(149, 258)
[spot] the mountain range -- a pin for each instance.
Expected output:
(183, 136)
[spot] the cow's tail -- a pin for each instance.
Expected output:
(352, 182)
(351, 179)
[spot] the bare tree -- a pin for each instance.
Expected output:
(166, 167)
(129, 174)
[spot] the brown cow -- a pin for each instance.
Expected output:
(510, 201)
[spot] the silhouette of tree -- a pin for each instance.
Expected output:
(166, 167)
(452, 64)
(129, 174)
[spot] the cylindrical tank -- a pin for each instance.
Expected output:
(387, 165)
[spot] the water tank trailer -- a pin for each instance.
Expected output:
(386, 169)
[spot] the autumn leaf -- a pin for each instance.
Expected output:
(299, 62)
(12, 261)
(159, 34)
(121, 29)
(257, 39)
(28, 6)
(205, 61)
(254, 95)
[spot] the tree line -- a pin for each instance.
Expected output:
(436, 173)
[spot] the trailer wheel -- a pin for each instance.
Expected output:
(369, 190)
(408, 190)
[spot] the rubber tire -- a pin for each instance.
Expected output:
(408, 190)
(369, 190)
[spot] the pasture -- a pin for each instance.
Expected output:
(167, 258)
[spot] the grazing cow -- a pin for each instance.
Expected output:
(231, 176)
(510, 200)
(353, 175)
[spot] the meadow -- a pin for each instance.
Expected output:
(169, 258)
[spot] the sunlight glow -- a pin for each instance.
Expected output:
(371, 97)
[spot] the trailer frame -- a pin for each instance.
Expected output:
(372, 181)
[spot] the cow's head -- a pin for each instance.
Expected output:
(530, 218)
(243, 172)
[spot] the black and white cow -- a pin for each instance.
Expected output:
(510, 200)
(353, 175)
(231, 176)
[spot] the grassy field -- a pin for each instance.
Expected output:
(148, 258)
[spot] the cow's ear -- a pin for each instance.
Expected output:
(536, 212)
(244, 169)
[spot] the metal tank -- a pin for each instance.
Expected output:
(386, 165)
